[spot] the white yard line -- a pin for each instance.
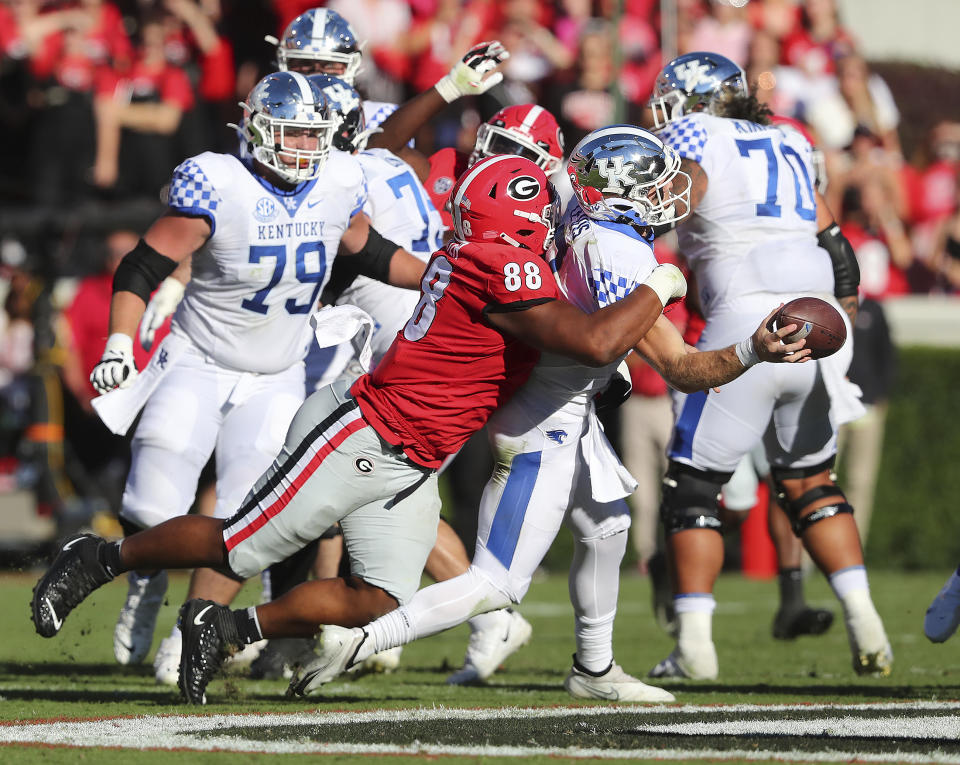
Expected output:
(184, 732)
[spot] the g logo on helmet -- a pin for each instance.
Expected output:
(523, 188)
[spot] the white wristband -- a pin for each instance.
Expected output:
(447, 89)
(668, 282)
(118, 341)
(747, 353)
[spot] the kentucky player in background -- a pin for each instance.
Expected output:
(752, 237)
(229, 377)
(554, 465)
(367, 456)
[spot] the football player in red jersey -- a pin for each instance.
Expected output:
(367, 457)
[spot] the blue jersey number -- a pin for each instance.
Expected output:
(305, 274)
(801, 178)
(405, 181)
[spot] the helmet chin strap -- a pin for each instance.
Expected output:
(510, 240)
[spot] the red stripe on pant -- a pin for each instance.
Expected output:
(265, 515)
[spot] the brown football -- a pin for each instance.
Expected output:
(817, 321)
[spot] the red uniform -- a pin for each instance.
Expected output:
(449, 368)
(446, 166)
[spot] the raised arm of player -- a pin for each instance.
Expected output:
(602, 337)
(687, 369)
(472, 75)
(382, 259)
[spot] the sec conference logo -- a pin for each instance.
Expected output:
(265, 210)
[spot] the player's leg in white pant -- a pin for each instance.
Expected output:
(173, 441)
(600, 540)
(801, 444)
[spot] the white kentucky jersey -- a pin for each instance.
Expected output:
(398, 205)
(755, 230)
(596, 264)
(257, 279)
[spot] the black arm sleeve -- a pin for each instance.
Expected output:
(345, 270)
(374, 259)
(846, 271)
(141, 271)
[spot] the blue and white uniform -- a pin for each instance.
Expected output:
(752, 244)
(234, 357)
(553, 462)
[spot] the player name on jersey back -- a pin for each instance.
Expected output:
(755, 228)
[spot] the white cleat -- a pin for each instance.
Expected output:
(489, 648)
(380, 663)
(869, 646)
(875, 664)
(335, 649)
(613, 685)
(166, 664)
(242, 659)
(133, 634)
(943, 615)
(681, 664)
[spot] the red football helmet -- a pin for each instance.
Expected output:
(528, 131)
(505, 198)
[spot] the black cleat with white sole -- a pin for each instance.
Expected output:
(73, 575)
(209, 636)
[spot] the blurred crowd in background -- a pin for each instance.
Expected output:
(100, 100)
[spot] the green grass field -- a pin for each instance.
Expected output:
(524, 711)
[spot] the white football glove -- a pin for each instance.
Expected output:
(467, 76)
(163, 303)
(116, 368)
(668, 282)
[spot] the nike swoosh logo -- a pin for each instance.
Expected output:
(198, 619)
(313, 203)
(57, 622)
(507, 636)
(611, 694)
(71, 543)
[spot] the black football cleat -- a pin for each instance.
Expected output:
(661, 590)
(73, 575)
(788, 625)
(209, 636)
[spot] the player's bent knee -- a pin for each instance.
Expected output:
(691, 498)
(492, 591)
(808, 508)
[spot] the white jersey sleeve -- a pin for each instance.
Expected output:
(596, 264)
(257, 279)
(754, 231)
(398, 205)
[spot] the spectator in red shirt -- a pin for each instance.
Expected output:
(818, 40)
(139, 122)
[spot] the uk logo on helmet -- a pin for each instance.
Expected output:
(690, 73)
(523, 187)
(616, 171)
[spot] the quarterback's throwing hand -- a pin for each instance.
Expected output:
(470, 76)
(769, 345)
(116, 368)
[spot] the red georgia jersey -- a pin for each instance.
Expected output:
(449, 368)
(446, 166)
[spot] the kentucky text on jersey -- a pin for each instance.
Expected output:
(293, 229)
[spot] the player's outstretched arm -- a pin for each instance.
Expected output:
(688, 370)
(470, 76)
(602, 337)
(170, 240)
